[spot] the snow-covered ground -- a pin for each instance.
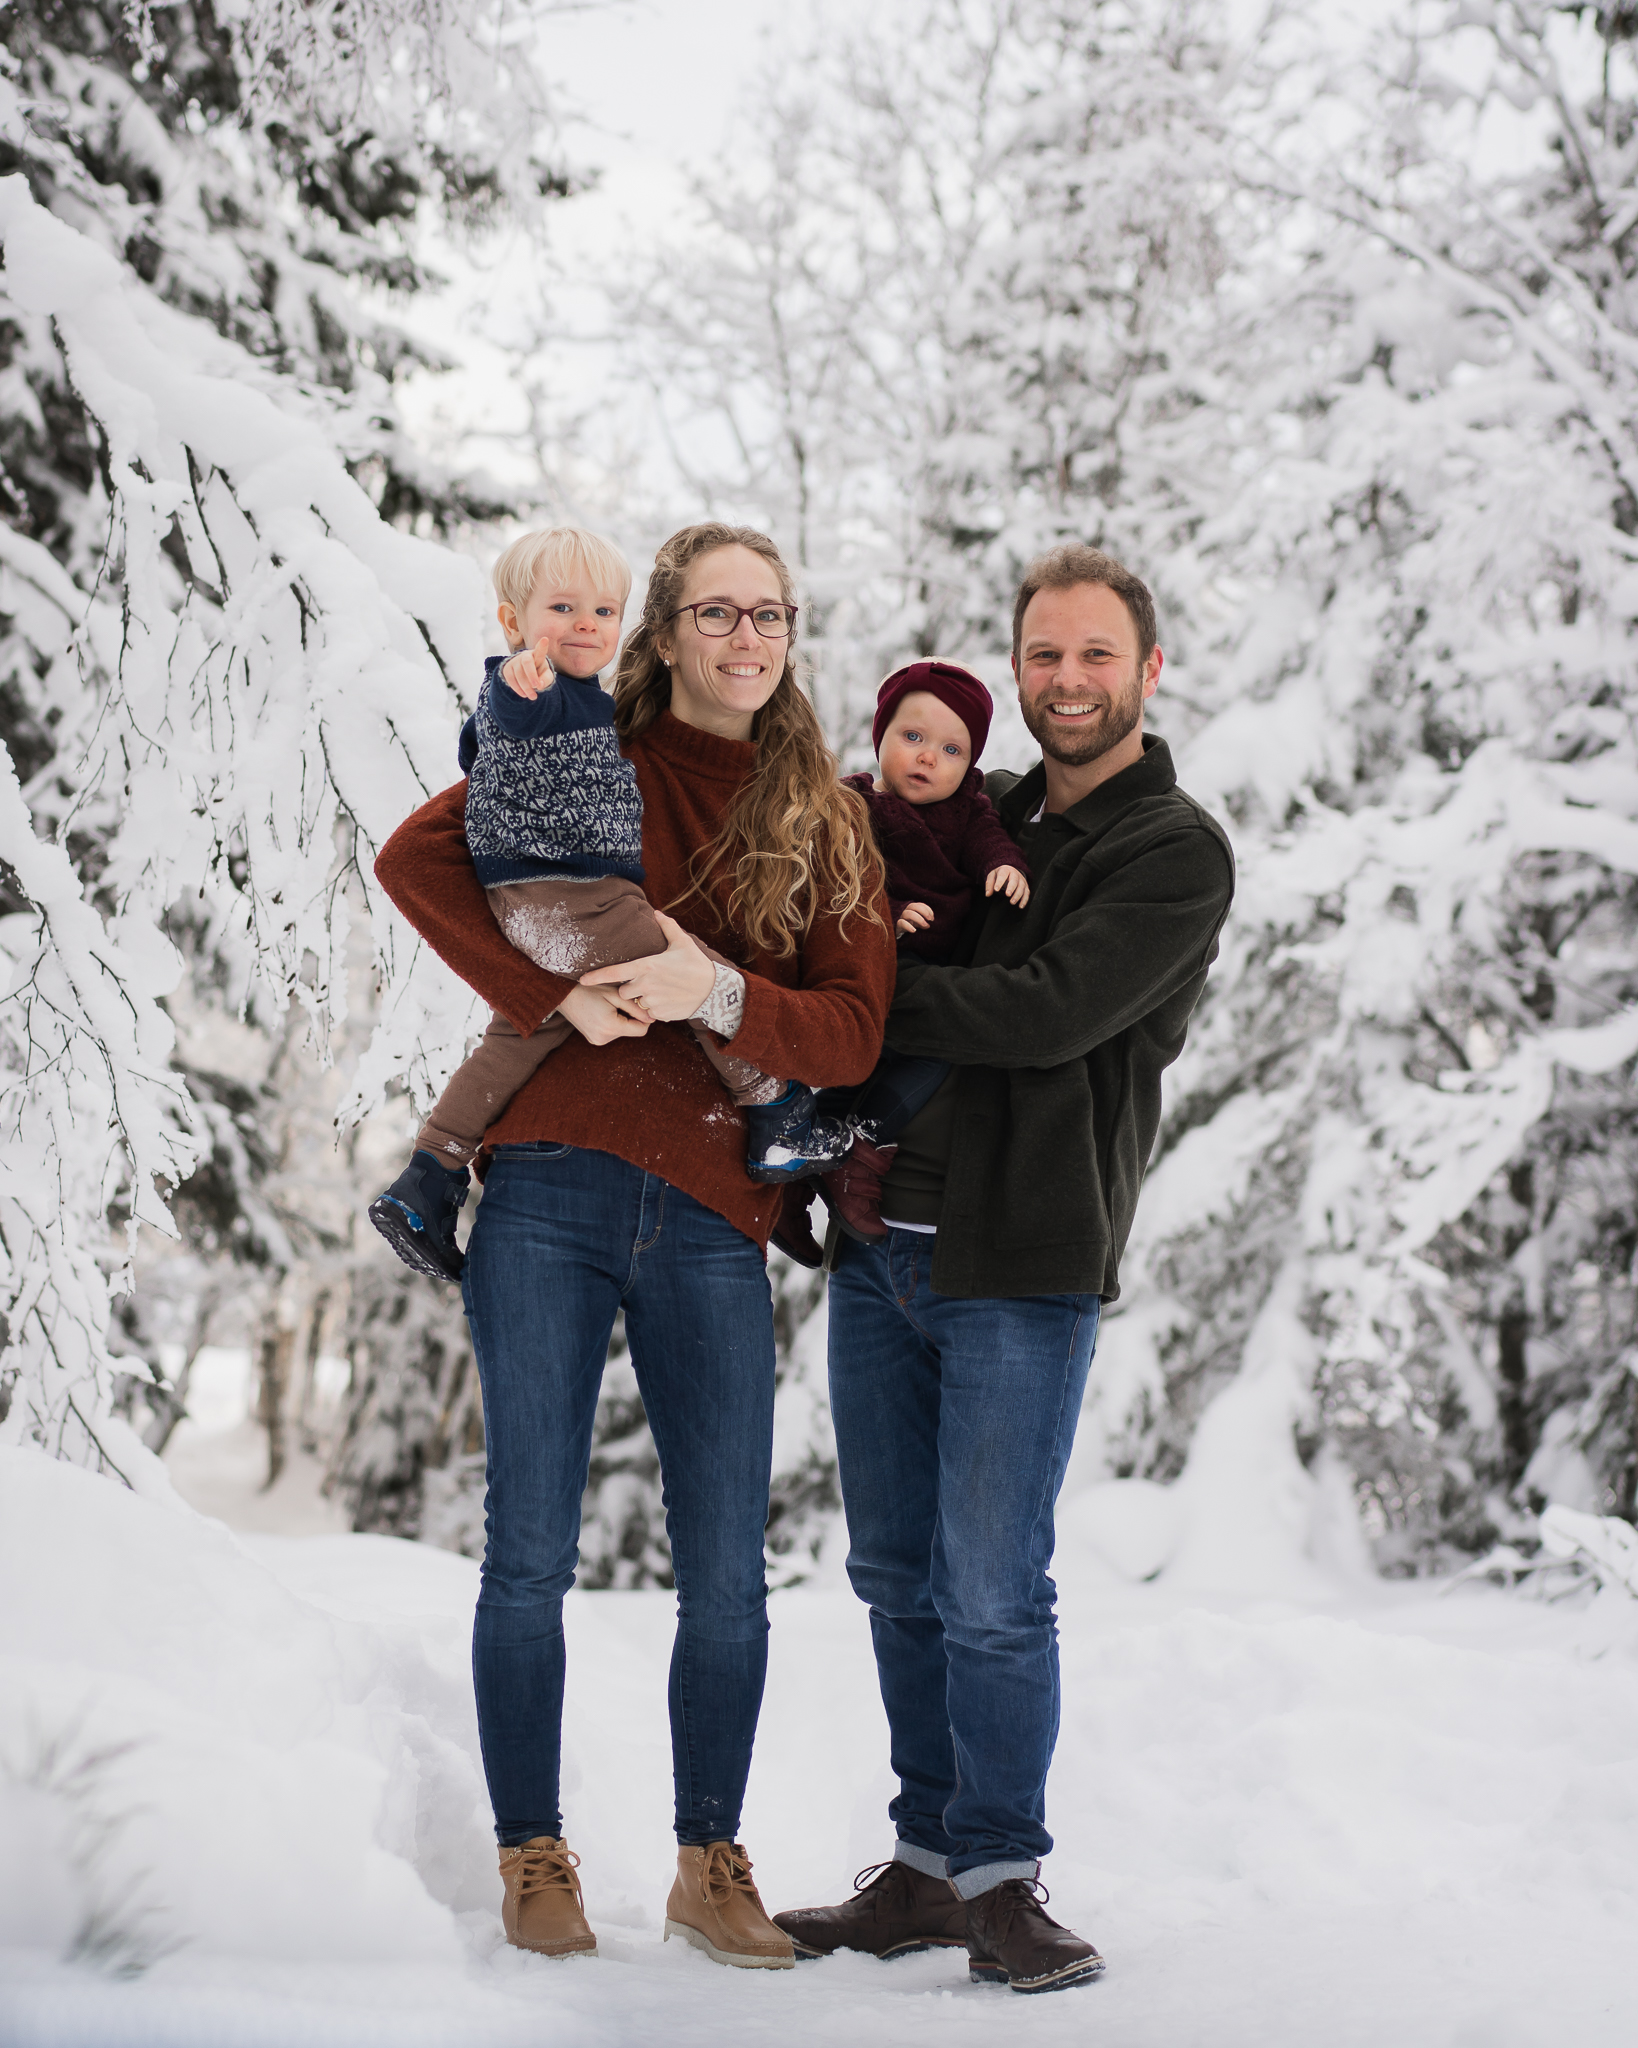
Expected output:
(246, 1765)
(217, 1454)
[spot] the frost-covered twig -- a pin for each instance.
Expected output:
(1603, 1544)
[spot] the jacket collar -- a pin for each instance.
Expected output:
(1152, 775)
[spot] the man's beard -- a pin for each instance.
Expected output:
(1074, 749)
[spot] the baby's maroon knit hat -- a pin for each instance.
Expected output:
(951, 684)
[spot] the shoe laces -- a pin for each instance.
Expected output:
(548, 1870)
(724, 1870)
(1020, 1893)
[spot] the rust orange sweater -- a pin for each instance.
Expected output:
(654, 1101)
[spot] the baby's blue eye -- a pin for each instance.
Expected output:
(605, 611)
(912, 736)
(560, 607)
(952, 748)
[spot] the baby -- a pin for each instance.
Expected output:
(941, 841)
(554, 827)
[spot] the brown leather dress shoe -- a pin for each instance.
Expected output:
(715, 1908)
(542, 1908)
(1010, 1940)
(896, 1910)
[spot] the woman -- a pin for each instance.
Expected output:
(618, 1182)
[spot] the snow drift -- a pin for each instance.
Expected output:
(241, 1803)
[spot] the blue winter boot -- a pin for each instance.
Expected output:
(417, 1215)
(786, 1141)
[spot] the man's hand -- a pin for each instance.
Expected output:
(597, 1014)
(530, 673)
(915, 917)
(664, 986)
(1011, 883)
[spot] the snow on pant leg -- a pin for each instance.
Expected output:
(1011, 1377)
(884, 1399)
(483, 1084)
(568, 926)
(745, 1084)
(699, 1319)
(550, 1250)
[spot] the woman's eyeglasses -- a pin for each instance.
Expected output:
(717, 621)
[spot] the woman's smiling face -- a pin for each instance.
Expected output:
(720, 685)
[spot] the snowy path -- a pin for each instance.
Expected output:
(1379, 1817)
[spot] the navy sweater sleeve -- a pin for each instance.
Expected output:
(571, 703)
(524, 718)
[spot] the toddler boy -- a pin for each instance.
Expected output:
(554, 827)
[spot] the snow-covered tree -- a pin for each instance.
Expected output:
(1250, 305)
(1411, 670)
(925, 329)
(230, 664)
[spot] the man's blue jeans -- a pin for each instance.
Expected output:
(954, 1422)
(564, 1239)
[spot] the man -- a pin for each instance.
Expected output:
(960, 1341)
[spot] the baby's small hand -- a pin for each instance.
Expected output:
(915, 917)
(530, 673)
(1011, 882)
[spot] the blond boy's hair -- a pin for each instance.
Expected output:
(553, 554)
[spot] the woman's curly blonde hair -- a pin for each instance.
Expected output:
(794, 840)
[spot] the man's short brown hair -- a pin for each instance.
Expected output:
(1074, 563)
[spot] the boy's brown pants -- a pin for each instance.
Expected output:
(568, 927)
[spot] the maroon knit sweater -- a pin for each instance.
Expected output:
(654, 1101)
(938, 854)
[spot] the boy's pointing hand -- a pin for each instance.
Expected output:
(530, 673)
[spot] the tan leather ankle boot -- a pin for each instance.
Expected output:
(542, 1906)
(715, 1907)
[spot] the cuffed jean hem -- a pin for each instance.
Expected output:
(987, 1876)
(921, 1859)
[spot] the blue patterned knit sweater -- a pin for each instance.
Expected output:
(548, 791)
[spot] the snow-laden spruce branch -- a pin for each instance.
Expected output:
(89, 1110)
(280, 691)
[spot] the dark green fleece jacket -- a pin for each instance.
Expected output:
(1061, 1021)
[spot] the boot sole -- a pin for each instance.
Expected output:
(782, 1175)
(556, 1955)
(391, 1219)
(696, 1939)
(1086, 1971)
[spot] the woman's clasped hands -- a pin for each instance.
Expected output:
(621, 1001)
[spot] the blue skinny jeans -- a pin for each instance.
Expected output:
(564, 1239)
